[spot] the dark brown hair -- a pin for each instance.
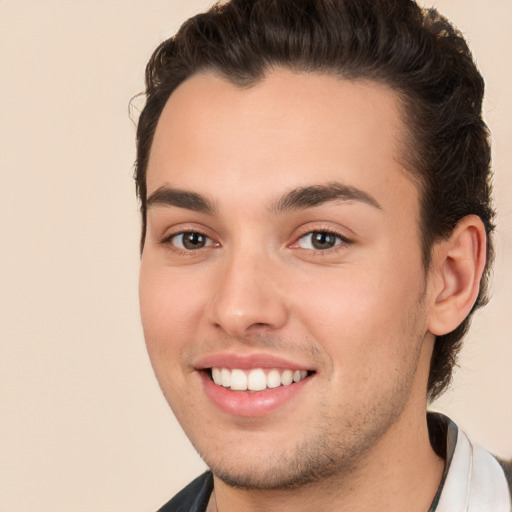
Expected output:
(416, 52)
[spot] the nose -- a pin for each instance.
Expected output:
(247, 297)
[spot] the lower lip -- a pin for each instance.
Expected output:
(251, 404)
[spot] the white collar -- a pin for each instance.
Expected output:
(473, 481)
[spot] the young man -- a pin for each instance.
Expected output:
(314, 186)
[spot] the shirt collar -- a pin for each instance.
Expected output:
(473, 480)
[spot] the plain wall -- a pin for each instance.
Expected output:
(83, 426)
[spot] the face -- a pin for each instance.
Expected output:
(282, 289)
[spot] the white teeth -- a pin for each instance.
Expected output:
(238, 380)
(273, 379)
(225, 376)
(299, 375)
(286, 377)
(256, 379)
(216, 376)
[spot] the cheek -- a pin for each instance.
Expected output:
(170, 312)
(369, 331)
(363, 315)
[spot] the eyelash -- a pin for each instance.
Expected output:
(168, 241)
(341, 242)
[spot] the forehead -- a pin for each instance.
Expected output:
(291, 129)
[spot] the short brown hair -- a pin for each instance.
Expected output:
(416, 52)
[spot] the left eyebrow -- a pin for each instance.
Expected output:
(316, 195)
(167, 196)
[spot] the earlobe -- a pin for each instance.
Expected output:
(457, 267)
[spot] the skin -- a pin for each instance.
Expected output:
(361, 314)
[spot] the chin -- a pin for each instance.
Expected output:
(271, 478)
(281, 469)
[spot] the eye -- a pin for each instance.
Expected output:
(190, 240)
(320, 240)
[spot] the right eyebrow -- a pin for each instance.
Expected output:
(316, 195)
(167, 196)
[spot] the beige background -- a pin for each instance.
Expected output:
(82, 424)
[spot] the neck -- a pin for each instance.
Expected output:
(400, 473)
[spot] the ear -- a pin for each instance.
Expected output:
(456, 270)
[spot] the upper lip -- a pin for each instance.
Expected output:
(248, 362)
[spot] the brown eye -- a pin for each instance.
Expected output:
(320, 240)
(190, 240)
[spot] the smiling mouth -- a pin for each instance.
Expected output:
(257, 379)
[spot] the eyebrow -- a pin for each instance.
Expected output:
(297, 199)
(316, 195)
(167, 196)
